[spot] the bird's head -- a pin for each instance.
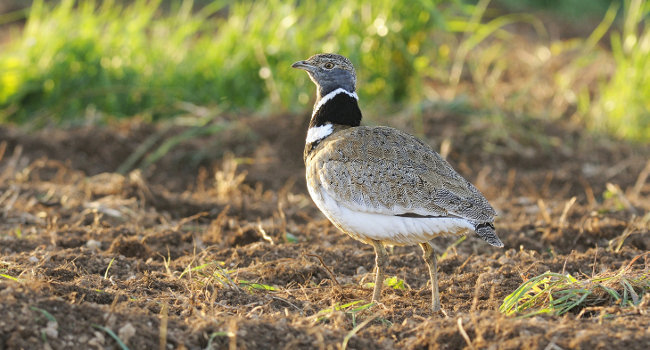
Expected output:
(329, 72)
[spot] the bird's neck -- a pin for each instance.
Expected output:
(338, 107)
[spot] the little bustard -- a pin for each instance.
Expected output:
(379, 184)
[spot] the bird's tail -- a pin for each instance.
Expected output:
(486, 231)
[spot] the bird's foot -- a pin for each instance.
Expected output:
(439, 311)
(436, 306)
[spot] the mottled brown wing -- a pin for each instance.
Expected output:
(384, 170)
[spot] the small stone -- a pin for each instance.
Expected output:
(504, 260)
(126, 332)
(97, 341)
(361, 270)
(33, 259)
(51, 330)
(93, 244)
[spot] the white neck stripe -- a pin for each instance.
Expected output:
(330, 96)
(317, 133)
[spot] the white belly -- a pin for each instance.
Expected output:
(387, 228)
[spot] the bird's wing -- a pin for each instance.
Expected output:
(386, 171)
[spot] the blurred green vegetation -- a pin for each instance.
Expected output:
(80, 61)
(624, 104)
(125, 60)
(568, 9)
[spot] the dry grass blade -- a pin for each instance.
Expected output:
(109, 268)
(635, 225)
(263, 233)
(3, 148)
(329, 272)
(232, 334)
(464, 333)
(228, 180)
(565, 212)
(162, 333)
(184, 221)
(222, 276)
(640, 182)
(544, 211)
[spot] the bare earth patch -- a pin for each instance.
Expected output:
(217, 243)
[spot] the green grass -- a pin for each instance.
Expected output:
(391, 282)
(569, 9)
(624, 104)
(45, 313)
(554, 293)
(9, 277)
(97, 61)
(254, 285)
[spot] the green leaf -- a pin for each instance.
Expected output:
(9, 277)
(45, 313)
(113, 335)
(254, 285)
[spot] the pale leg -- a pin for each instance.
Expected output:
(381, 257)
(430, 258)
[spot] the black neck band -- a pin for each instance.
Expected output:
(341, 109)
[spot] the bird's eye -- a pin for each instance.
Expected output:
(329, 65)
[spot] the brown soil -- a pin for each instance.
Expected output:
(176, 255)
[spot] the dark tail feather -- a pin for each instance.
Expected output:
(486, 231)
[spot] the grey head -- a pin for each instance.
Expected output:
(329, 72)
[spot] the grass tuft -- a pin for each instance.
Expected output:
(554, 293)
(213, 271)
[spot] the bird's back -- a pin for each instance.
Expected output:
(383, 170)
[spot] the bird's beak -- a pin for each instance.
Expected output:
(303, 65)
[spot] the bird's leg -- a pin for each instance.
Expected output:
(381, 257)
(430, 258)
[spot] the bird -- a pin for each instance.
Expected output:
(380, 185)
